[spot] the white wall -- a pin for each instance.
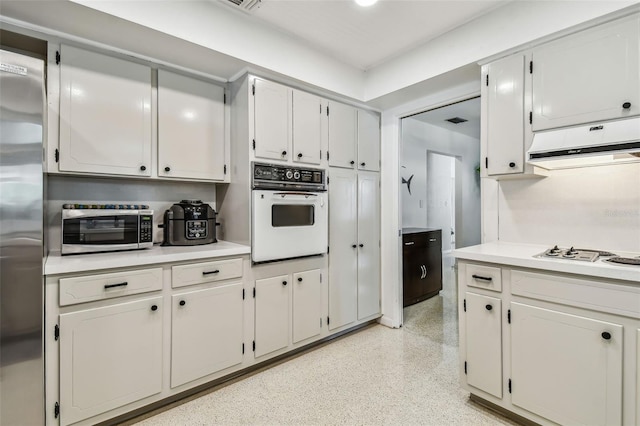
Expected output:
(591, 207)
(417, 138)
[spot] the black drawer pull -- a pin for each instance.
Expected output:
(489, 307)
(480, 277)
(361, 245)
(352, 162)
(284, 153)
(182, 303)
(606, 335)
(626, 105)
(143, 168)
(299, 279)
(512, 164)
(363, 164)
(106, 286)
(167, 169)
(154, 307)
(284, 283)
(217, 271)
(354, 246)
(299, 155)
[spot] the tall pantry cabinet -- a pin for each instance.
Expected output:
(354, 222)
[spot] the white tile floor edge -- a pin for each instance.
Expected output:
(377, 376)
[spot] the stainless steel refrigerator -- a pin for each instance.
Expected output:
(22, 100)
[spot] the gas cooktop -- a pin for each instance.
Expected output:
(588, 255)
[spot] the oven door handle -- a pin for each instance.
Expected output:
(303, 194)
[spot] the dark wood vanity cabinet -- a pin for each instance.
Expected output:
(422, 264)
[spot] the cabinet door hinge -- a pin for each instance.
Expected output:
(327, 180)
(57, 57)
(253, 89)
(321, 274)
(486, 162)
(224, 98)
(254, 144)
(487, 80)
(320, 108)
(56, 410)
(327, 155)
(464, 305)
(56, 155)
(243, 348)
(254, 292)
(320, 322)
(254, 345)
(327, 249)
(243, 294)
(530, 117)
(225, 169)
(328, 321)
(465, 367)
(327, 110)
(509, 316)
(320, 154)
(509, 385)
(530, 67)
(56, 332)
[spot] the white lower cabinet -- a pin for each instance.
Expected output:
(566, 368)
(272, 301)
(483, 361)
(109, 356)
(206, 332)
(307, 305)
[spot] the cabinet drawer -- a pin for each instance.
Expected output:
(105, 286)
(481, 276)
(421, 239)
(575, 291)
(197, 273)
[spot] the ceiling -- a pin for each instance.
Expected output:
(469, 110)
(367, 37)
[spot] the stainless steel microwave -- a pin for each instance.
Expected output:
(105, 227)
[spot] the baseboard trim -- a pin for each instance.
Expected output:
(502, 411)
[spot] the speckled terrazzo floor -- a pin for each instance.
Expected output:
(377, 376)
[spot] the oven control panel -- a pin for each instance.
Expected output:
(272, 176)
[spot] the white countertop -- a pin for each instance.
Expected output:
(515, 254)
(57, 264)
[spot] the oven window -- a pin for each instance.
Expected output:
(101, 230)
(292, 215)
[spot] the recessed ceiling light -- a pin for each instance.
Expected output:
(365, 3)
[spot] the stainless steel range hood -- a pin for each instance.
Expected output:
(589, 145)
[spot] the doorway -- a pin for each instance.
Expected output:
(440, 190)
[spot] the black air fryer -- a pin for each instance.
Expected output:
(189, 223)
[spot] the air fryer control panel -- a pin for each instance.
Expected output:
(196, 229)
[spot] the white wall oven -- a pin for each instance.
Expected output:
(289, 212)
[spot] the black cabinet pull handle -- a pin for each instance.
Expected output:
(362, 164)
(182, 303)
(300, 279)
(167, 169)
(284, 153)
(606, 335)
(489, 307)
(154, 307)
(352, 162)
(361, 245)
(143, 168)
(284, 283)
(354, 246)
(512, 164)
(106, 286)
(300, 155)
(626, 105)
(217, 271)
(479, 277)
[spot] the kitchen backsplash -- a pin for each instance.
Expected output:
(591, 207)
(158, 195)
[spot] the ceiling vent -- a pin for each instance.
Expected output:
(245, 5)
(456, 120)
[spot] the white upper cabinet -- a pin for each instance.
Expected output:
(342, 135)
(504, 118)
(307, 127)
(588, 76)
(368, 141)
(105, 114)
(191, 128)
(271, 120)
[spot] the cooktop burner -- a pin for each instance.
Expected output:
(585, 255)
